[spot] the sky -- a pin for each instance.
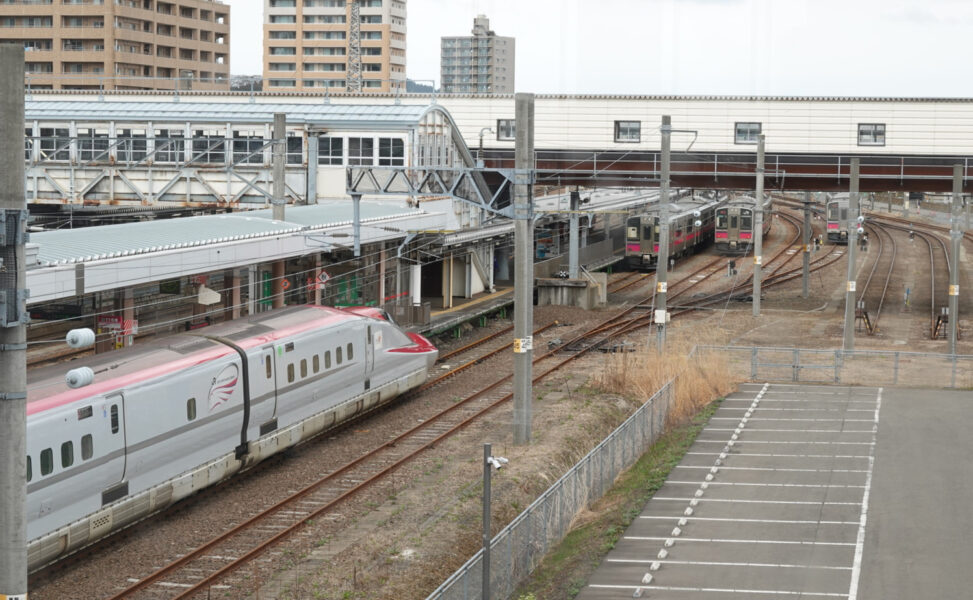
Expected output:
(737, 47)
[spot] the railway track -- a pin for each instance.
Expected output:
(881, 235)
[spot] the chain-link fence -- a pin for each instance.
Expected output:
(521, 545)
(848, 367)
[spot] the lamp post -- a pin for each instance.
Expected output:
(497, 463)
(479, 153)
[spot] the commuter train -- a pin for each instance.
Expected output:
(735, 222)
(164, 420)
(642, 231)
(839, 218)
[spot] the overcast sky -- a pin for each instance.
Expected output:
(761, 47)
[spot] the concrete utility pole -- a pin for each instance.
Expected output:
(850, 297)
(523, 267)
(662, 262)
(487, 455)
(955, 236)
(13, 329)
(807, 245)
(280, 160)
(573, 269)
(758, 227)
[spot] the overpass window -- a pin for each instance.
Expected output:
(628, 131)
(746, 133)
(361, 151)
(331, 151)
(506, 129)
(295, 149)
(391, 152)
(871, 134)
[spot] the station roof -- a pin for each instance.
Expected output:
(358, 116)
(87, 244)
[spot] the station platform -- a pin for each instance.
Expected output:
(467, 309)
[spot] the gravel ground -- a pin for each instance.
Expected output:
(404, 537)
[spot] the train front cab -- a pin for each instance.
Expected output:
(837, 223)
(640, 242)
(734, 229)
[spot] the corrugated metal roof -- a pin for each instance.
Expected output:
(334, 115)
(113, 241)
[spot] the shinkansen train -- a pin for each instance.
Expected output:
(642, 231)
(735, 222)
(165, 419)
(839, 218)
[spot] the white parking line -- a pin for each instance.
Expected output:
(779, 455)
(653, 538)
(797, 430)
(797, 420)
(725, 564)
(784, 442)
(735, 520)
(731, 500)
(725, 468)
(860, 543)
(841, 410)
(669, 588)
(796, 485)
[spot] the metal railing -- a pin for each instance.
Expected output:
(522, 544)
(855, 367)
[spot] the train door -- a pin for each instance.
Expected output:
(373, 337)
(269, 367)
(113, 410)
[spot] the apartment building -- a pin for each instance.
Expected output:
(121, 44)
(480, 64)
(336, 45)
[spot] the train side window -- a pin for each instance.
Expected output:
(114, 418)
(267, 366)
(67, 454)
(327, 359)
(191, 409)
(30, 469)
(337, 355)
(351, 352)
(303, 368)
(47, 461)
(290, 373)
(87, 446)
(316, 363)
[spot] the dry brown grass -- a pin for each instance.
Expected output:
(698, 380)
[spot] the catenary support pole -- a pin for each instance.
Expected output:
(486, 521)
(955, 236)
(850, 296)
(758, 227)
(523, 267)
(356, 222)
(279, 160)
(662, 262)
(806, 272)
(13, 336)
(573, 237)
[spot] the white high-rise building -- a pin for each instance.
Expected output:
(480, 64)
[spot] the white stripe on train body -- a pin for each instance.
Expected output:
(164, 420)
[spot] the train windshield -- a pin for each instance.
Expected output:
(833, 211)
(721, 220)
(746, 220)
(632, 228)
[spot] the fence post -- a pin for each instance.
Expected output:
(837, 366)
(753, 363)
(895, 373)
(796, 375)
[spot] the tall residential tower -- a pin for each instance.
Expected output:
(481, 64)
(121, 44)
(353, 45)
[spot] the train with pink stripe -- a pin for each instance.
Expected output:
(167, 418)
(735, 222)
(691, 226)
